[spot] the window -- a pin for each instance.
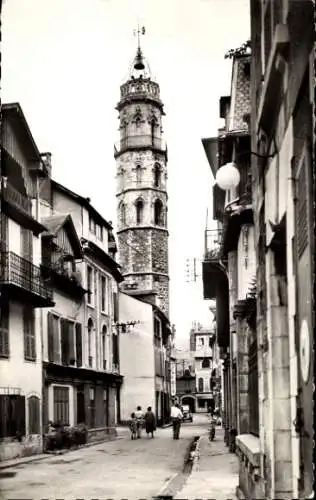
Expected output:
(138, 174)
(92, 406)
(92, 225)
(210, 341)
(61, 405)
(101, 233)
(29, 334)
(158, 213)
(103, 294)
(200, 385)
(90, 285)
(139, 211)
(115, 349)
(201, 341)
(4, 331)
(103, 354)
(105, 407)
(90, 330)
(78, 329)
(67, 342)
(122, 212)
(12, 415)
(53, 338)
(34, 415)
(157, 175)
(205, 363)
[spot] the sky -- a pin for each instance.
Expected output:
(64, 62)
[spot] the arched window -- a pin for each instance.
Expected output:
(200, 385)
(103, 353)
(138, 174)
(138, 122)
(34, 415)
(205, 363)
(122, 212)
(90, 332)
(158, 213)
(157, 175)
(139, 211)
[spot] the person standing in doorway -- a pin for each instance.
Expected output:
(150, 422)
(176, 417)
(139, 420)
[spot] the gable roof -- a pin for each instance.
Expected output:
(85, 202)
(55, 222)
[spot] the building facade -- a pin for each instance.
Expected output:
(23, 291)
(206, 364)
(81, 353)
(282, 131)
(141, 172)
(261, 253)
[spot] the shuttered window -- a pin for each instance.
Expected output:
(301, 214)
(34, 415)
(61, 405)
(29, 334)
(115, 350)
(12, 415)
(4, 331)
(64, 341)
(79, 344)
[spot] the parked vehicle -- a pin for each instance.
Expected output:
(187, 415)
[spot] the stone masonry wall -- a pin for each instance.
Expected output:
(159, 249)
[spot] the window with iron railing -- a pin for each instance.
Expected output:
(12, 415)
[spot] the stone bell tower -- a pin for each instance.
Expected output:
(141, 171)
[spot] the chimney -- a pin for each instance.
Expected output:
(47, 160)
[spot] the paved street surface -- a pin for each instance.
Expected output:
(117, 469)
(216, 474)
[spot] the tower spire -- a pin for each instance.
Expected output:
(138, 62)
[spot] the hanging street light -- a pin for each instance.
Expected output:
(228, 176)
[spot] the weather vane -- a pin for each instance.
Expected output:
(139, 31)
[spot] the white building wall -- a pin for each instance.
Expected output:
(137, 364)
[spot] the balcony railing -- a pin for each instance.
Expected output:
(21, 273)
(213, 239)
(14, 197)
(139, 141)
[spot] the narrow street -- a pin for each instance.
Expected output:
(117, 469)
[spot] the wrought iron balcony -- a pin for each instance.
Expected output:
(213, 239)
(139, 141)
(23, 280)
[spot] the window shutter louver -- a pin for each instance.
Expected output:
(50, 337)
(4, 331)
(71, 339)
(79, 344)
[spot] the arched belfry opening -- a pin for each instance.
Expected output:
(158, 213)
(139, 211)
(157, 175)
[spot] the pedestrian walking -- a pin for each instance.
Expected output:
(139, 420)
(133, 426)
(176, 417)
(150, 422)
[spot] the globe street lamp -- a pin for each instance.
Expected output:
(227, 177)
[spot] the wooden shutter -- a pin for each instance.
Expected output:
(71, 342)
(34, 415)
(64, 341)
(4, 331)
(50, 337)
(301, 218)
(4, 415)
(79, 344)
(115, 304)
(29, 334)
(17, 420)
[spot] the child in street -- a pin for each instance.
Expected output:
(133, 426)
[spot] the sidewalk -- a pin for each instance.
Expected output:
(215, 474)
